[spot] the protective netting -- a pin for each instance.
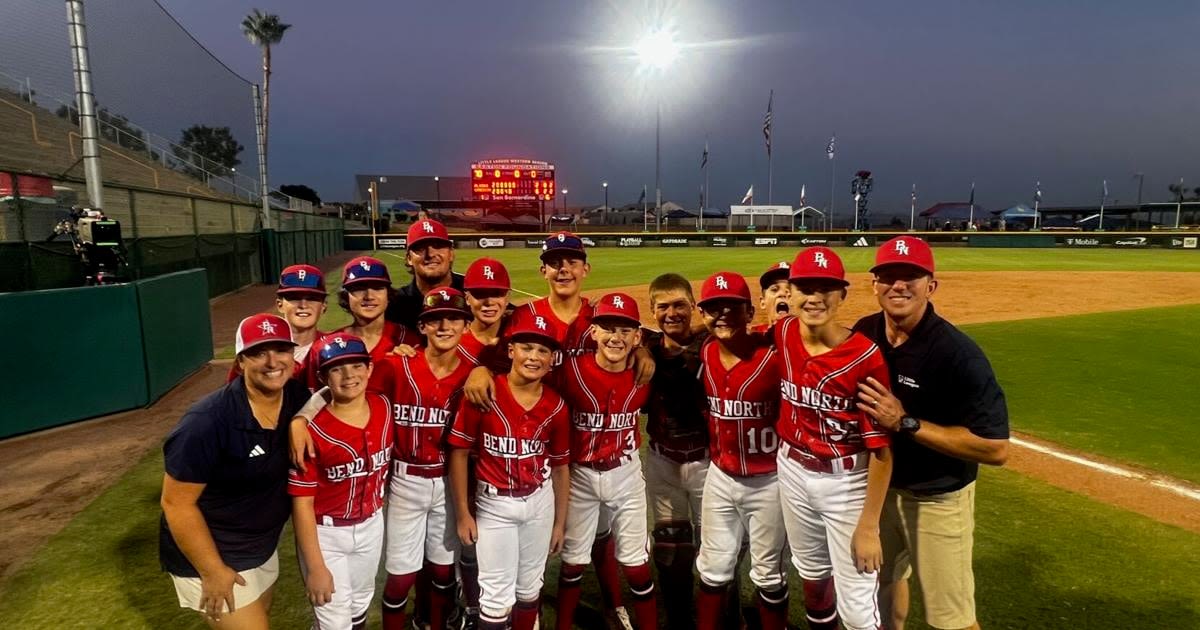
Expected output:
(151, 79)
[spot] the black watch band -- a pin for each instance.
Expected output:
(909, 424)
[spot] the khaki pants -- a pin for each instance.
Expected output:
(933, 536)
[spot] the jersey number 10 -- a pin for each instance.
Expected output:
(761, 440)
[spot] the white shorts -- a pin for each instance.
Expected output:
(622, 491)
(675, 489)
(821, 512)
(258, 581)
(735, 507)
(351, 554)
(421, 524)
(514, 541)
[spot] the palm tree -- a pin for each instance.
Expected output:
(264, 30)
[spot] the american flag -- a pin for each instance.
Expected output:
(829, 147)
(767, 122)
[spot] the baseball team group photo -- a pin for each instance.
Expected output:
(615, 317)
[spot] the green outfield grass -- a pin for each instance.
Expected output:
(1114, 384)
(1045, 558)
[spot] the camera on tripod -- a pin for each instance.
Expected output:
(96, 239)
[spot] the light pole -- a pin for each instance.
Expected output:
(656, 51)
(564, 192)
(438, 181)
(1141, 177)
(604, 215)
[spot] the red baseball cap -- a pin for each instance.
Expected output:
(427, 230)
(365, 269)
(724, 285)
(773, 274)
(905, 250)
(487, 273)
(526, 323)
(259, 329)
(618, 306)
(818, 263)
(444, 301)
(301, 279)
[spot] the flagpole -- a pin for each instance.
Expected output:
(912, 211)
(645, 225)
(1103, 198)
(657, 181)
(971, 220)
(832, 189)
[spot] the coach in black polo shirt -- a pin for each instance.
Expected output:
(224, 495)
(948, 415)
(430, 257)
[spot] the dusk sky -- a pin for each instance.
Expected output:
(937, 93)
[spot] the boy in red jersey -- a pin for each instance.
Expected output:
(521, 442)
(835, 461)
(741, 380)
(606, 470)
(487, 286)
(425, 390)
(336, 506)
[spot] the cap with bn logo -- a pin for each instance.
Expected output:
(905, 250)
(818, 263)
(427, 230)
(259, 329)
(525, 324)
(487, 273)
(724, 285)
(620, 307)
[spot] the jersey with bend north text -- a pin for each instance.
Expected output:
(605, 407)
(348, 477)
(515, 447)
(818, 415)
(423, 406)
(743, 404)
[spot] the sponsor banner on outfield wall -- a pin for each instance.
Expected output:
(719, 241)
(587, 242)
(1132, 241)
(674, 242)
(487, 243)
(534, 242)
(628, 241)
(861, 241)
(814, 241)
(1184, 242)
(766, 241)
(1082, 241)
(393, 243)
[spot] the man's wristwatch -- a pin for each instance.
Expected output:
(909, 424)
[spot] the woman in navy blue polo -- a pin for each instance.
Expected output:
(224, 494)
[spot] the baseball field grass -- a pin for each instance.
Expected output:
(1045, 558)
(1110, 383)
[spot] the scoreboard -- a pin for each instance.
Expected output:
(514, 179)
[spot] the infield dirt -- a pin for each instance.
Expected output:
(52, 475)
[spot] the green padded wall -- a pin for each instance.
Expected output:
(176, 327)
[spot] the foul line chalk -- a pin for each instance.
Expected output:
(1109, 469)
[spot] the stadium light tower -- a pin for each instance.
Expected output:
(604, 216)
(564, 191)
(657, 51)
(438, 181)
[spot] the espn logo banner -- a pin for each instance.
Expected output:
(766, 241)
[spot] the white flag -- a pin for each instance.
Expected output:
(803, 201)
(749, 197)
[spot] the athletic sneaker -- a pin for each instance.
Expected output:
(621, 619)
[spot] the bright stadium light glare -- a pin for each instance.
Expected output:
(657, 49)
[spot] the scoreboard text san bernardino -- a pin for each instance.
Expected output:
(512, 180)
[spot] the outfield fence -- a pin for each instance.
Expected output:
(1120, 240)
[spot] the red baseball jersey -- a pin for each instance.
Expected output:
(515, 447)
(348, 477)
(605, 407)
(743, 404)
(423, 406)
(574, 338)
(493, 357)
(818, 414)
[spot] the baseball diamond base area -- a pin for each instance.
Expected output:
(54, 475)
